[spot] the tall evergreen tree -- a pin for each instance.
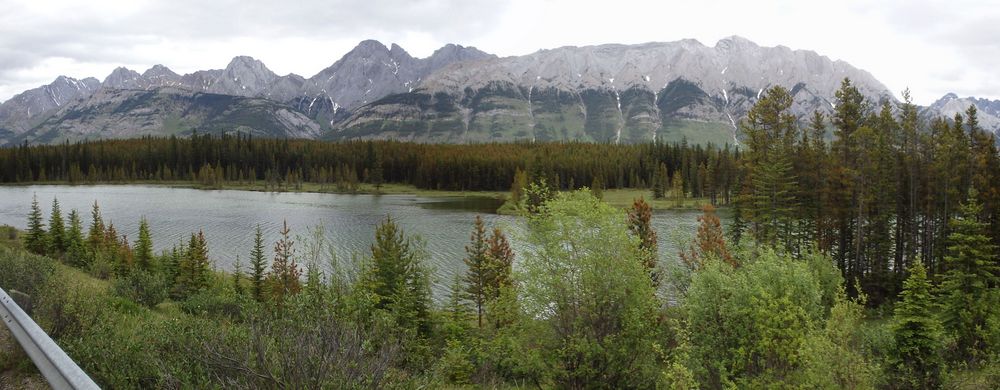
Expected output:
(967, 300)
(768, 199)
(285, 273)
(193, 268)
(258, 266)
(640, 224)
(709, 242)
(57, 230)
(501, 261)
(144, 246)
(36, 240)
(75, 247)
(399, 279)
(477, 277)
(916, 357)
(95, 237)
(661, 181)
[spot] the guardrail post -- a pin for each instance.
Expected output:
(58, 369)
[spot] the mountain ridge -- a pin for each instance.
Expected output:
(601, 93)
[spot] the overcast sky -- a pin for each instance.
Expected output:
(932, 47)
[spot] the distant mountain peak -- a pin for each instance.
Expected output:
(369, 45)
(159, 71)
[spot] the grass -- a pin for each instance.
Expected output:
(624, 198)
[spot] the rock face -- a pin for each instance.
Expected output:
(988, 111)
(125, 113)
(23, 111)
(368, 72)
(606, 93)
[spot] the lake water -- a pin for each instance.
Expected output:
(229, 218)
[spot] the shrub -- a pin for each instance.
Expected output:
(24, 272)
(213, 303)
(747, 325)
(145, 288)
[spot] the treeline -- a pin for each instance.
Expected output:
(878, 197)
(701, 171)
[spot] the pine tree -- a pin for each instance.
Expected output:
(640, 223)
(285, 273)
(57, 230)
(144, 247)
(917, 355)
(477, 277)
(399, 280)
(501, 261)
(710, 242)
(193, 269)
(965, 289)
(95, 237)
(660, 181)
(36, 240)
(75, 247)
(258, 266)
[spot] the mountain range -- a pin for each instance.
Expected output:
(606, 93)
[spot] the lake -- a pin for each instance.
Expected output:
(229, 218)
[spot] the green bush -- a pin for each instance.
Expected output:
(24, 272)
(747, 325)
(145, 288)
(101, 267)
(213, 303)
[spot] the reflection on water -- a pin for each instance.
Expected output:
(229, 218)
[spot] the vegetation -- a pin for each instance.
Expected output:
(869, 261)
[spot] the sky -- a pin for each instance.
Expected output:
(930, 47)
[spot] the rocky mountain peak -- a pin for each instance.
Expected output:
(124, 78)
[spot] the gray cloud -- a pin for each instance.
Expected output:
(130, 32)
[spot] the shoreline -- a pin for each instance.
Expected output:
(621, 198)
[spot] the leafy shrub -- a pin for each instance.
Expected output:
(101, 267)
(213, 303)
(145, 288)
(748, 324)
(24, 272)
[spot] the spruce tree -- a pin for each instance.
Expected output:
(36, 240)
(258, 266)
(144, 246)
(660, 181)
(710, 242)
(95, 236)
(501, 261)
(75, 247)
(640, 224)
(477, 277)
(193, 270)
(57, 230)
(399, 280)
(916, 357)
(284, 277)
(967, 301)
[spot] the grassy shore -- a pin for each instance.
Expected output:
(625, 197)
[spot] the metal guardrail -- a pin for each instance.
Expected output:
(58, 369)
